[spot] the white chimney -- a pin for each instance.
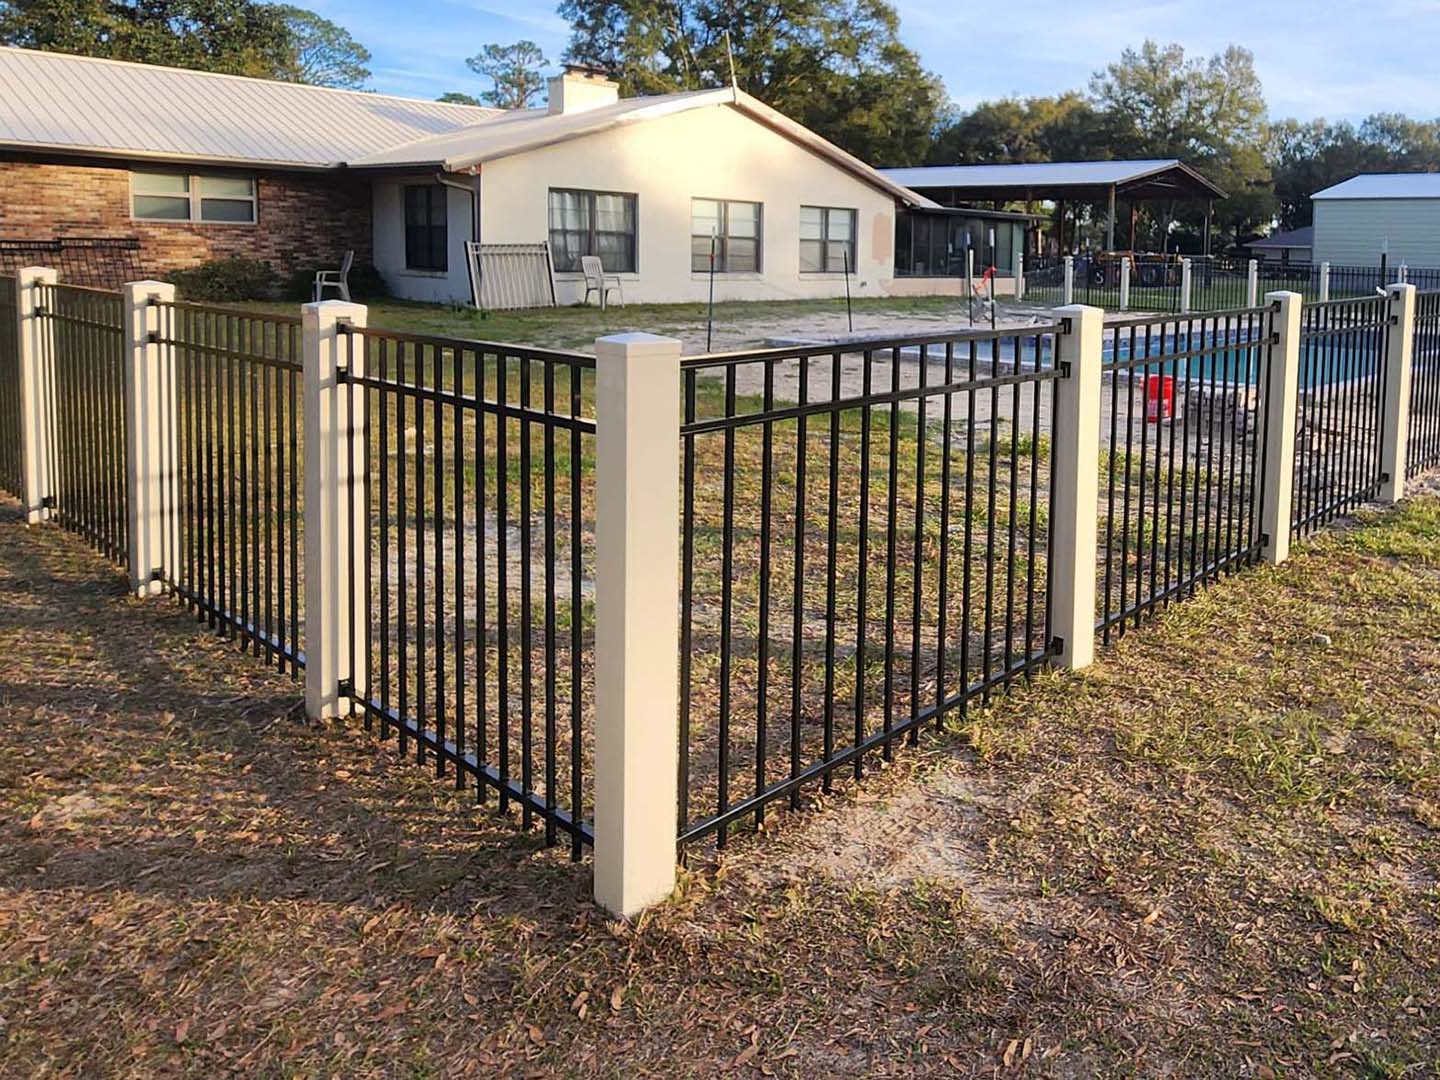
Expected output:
(580, 88)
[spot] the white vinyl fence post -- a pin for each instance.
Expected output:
(1402, 275)
(1395, 417)
(1075, 460)
(36, 356)
(150, 413)
(1252, 284)
(1324, 282)
(1282, 390)
(1067, 292)
(334, 541)
(1125, 283)
(1019, 278)
(637, 625)
(1185, 281)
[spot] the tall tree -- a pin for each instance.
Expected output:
(516, 73)
(1067, 127)
(454, 97)
(1209, 112)
(238, 37)
(323, 54)
(837, 66)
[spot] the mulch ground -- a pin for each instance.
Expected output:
(1215, 854)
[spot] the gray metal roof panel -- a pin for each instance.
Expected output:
(1038, 174)
(1385, 186)
(56, 101)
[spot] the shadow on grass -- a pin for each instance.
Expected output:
(142, 752)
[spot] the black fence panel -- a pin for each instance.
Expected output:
(1045, 280)
(1184, 418)
(479, 567)
(1338, 420)
(99, 262)
(83, 348)
(11, 478)
(864, 548)
(1423, 452)
(234, 498)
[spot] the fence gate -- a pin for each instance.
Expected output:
(504, 277)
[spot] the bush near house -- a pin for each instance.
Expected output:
(226, 280)
(366, 284)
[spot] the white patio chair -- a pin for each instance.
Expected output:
(597, 282)
(339, 280)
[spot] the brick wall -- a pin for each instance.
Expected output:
(304, 220)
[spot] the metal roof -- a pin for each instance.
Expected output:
(530, 129)
(1385, 186)
(79, 104)
(1149, 178)
(1302, 237)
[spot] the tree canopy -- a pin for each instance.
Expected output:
(322, 53)
(235, 37)
(837, 66)
(516, 74)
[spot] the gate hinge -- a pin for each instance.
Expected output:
(346, 688)
(47, 502)
(1275, 337)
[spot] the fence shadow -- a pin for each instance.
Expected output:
(152, 756)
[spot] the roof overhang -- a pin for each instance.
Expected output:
(49, 152)
(1170, 180)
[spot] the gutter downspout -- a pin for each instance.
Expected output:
(473, 190)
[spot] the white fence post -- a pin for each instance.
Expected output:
(1252, 283)
(1019, 277)
(150, 411)
(1324, 282)
(1402, 275)
(1395, 417)
(1185, 279)
(334, 542)
(1075, 459)
(1125, 283)
(637, 625)
(36, 356)
(1282, 389)
(1067, 292)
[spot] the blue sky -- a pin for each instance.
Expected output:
(1332, 58)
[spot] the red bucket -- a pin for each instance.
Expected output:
(1159, 398)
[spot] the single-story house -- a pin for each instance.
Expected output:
(1283, 246)
(1392, 214)
(198, 166)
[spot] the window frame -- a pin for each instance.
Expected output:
(591, 195)
(195, 196)
(825, 242)
(722, 255)
(429, 225)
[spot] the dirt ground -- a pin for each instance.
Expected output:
(1213, 855)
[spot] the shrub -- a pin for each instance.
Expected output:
(227, 279)
(365, 284)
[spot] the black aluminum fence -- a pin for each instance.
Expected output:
(1424, 436)
(101, 262)
(10, 475)
(1183, 430)
(864, 548)
(479, 567)
(82, 354)
(1044, 280)
(234, 495)
(1337, 429)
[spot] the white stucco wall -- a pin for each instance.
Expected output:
(1350, 232)
(715, 153)
(388, 204)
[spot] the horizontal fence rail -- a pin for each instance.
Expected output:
(1424, 435)
(479, 566)
(1181, 461)
(864, 548)
(10, 475)
(234, 499)
(83, 352)
(1338, 417)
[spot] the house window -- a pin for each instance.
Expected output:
(162, 196)
(426, 235)
(732, 229)
(827, 240)
(592, 223)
